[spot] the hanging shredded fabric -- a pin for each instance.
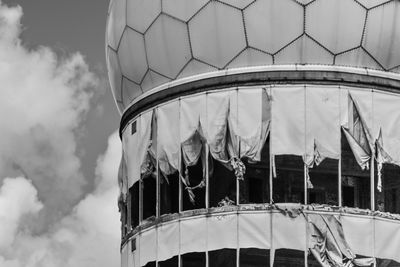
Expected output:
(239, 167)
(309, 184)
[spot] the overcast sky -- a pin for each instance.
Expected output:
(58, 148)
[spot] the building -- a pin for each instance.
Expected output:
(257, 132)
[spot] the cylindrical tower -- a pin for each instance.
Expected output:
(257, 132)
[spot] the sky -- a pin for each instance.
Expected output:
(59, 149)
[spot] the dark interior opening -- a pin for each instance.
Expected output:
(195, 177)
(222, 185)
(222, 258)
(288, 185)
(196, 259)
(172, 262)
(149, 197)
(169, 194)
(324, 179)
(356, 183)
(134, 207)
(289, 258)
(254, 257)
(255, 186)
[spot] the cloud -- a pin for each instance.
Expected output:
(46, 217)
(87, 237)
(43, 101)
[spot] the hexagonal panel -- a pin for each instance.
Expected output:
(382, 34)
(371, 4)
(217, 34)
(130, 91)
(251, 57)
(238, 3)
(114, 73)
(132, 55)
(304, 51)
(358, 58)
(271, 24)
(141, 13)
(168, 48)
(337, 25)
(182, 9)
(152, 80)
(116, 22)
(304, 2)
(195, 67)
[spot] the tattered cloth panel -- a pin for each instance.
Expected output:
(328, 245)
(122, 179)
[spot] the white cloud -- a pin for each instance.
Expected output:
(88, 237)
(43, 101)
(46, 219)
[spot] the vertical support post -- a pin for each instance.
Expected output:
(372, 174)
(305, 185)
(180, 204)
(157, 189)
(340, 194)
(340, 201)
(207, 177)
(140, 201)
(271, 199)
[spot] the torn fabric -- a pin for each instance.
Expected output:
(123, 179)
(328, 245)
(168, 144)
(358, 135)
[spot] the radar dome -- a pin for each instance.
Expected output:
(153, 42)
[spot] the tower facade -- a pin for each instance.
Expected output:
(257, 132)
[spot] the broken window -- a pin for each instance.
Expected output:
(134, 205)
(324, 183)
(289, 258)
(149, 196)
(356, 183)
(172, 262)
(222, 258)
(288, 184)
(388, 199)
(222, 188)
(196, 179)
(197, 259)
(254, 257)
(254, 188)
(169, 193)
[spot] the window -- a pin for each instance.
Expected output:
(134, 204)
(288, 185)
(356, 183)
(222, 185)
(169, 194)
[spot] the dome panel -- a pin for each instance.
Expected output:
(271, 24)
(114, 73)
(337, 25)
(217, 34)
(153, 79)
(182, 9)
(304, 51)
(116, 22)
(141, 13)
(251, 57)
(195, 67)
(382, 34)
(168, 48)
(130, 91)
(357, 57)
(371, 4)
(239, 4)
(131, 50)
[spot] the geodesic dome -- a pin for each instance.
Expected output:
(152, 42)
